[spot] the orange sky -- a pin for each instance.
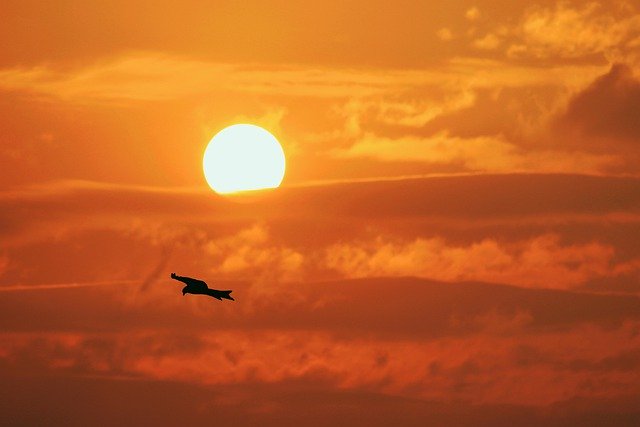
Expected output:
(454, 242)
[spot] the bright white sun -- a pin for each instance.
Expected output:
(243, 157)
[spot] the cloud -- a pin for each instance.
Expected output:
(472, 14)
(397, 308)
(474, 125)
(94, 226)
(156, 214)
(606, 111)
(374, 102)
(540, 262)
(250, 253)
(413, 108)
(155, 76)
(44, 399)
(444, 34)
(477, 154)
(440, 148)
(467, 82)
(568, 31)
(48, 286)
(401, 337)
(535, 370)
(488, 42)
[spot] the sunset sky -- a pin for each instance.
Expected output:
(455, 242)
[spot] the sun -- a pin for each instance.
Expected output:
(243, 157)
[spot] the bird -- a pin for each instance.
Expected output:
(195, 286)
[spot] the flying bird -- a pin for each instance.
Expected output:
(195, 286)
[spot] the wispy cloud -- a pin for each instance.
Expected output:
(479, 154)
(72, 285)
(575, 30)
(152, 76)
(149, 76)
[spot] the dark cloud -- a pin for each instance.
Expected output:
(56, 400)
(606, 112)
(376, 307)
(85, 232)
(478, 197)
(401, 337)
(513, 112)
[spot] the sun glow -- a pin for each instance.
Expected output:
(243, 157)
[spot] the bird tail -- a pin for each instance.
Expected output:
(220, 294)
(226, 295)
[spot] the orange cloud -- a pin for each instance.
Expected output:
(568, 31)
(154, 76)
(250, 253)
(606, 110)
(433, 223)
(488, 42)
(472, 14)
(372, 103)
(156, 214)
(444, 34)
(540, 262)
(479, 154)
(535, 369)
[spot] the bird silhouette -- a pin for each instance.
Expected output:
(195, 286)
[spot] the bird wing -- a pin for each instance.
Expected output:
(192, 283)
(195, 282)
